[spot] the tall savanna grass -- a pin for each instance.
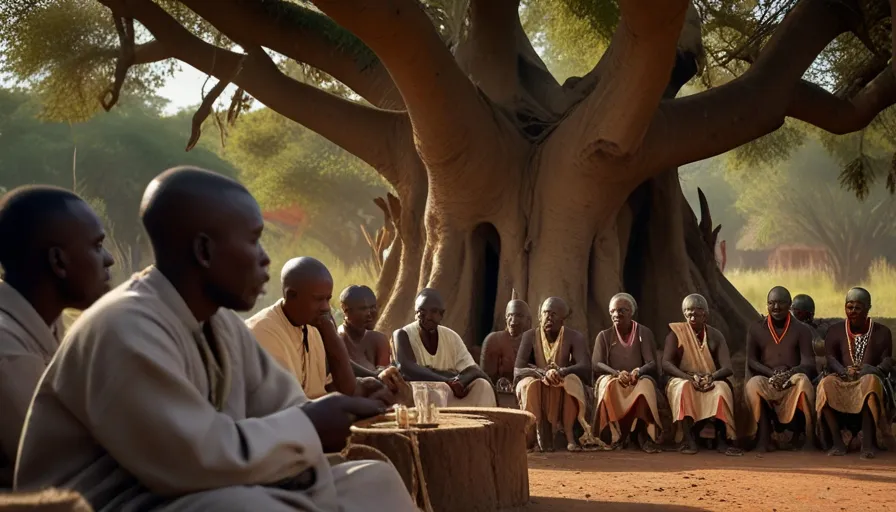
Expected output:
(819, 284)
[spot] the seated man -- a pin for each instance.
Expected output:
(500, 347)
(803, 309)
(51, 250)
(430, 352)
(624, 362)
(552, 368)
(696, 358)
(860, 358)
(299, 331)
(780, 363)
(160, 397)
(369, 350)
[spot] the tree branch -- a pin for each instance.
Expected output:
(614, 117)
(366, 132)
(125, 29)
(442, 103)
(839, 116)
(304, 36)
(709, 123)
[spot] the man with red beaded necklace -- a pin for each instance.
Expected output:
(780, 364)
(625, 367)
(859, 358)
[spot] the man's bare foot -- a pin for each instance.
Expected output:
(688, 448)
(867, 455)
(573, 447)
(837, 451)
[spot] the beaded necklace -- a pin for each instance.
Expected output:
(858, 342)
(631, 335)
(771, 329)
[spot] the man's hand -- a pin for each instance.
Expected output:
(504, 385)
(625, 378)
(553, 377)
(697, 381)
(457, 388)
(634, 375)
(332, 416)
(391, 378)
(323, 321)
(852, 373)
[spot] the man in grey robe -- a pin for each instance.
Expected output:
(160, 398)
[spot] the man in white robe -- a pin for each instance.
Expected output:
(51, 250)
(160, 397)
(430, 352)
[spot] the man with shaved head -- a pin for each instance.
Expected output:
(427, 351)
(299, 331)
(500, 348)
(696, 358)
(553, 371)
(624, 362)
(51, 251)
(780, 367)
(369, 350)
(160, 397)
(853, 396)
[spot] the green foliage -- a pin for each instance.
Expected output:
(117, 154)
(285, 164)
(799, 202)
(65, 50)
(569, 43)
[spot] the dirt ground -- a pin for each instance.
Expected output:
(633, 481)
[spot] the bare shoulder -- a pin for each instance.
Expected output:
(882, 330)
(528, 336)
(802, 329)
(376, 337)
(716, 335)
(494, 340)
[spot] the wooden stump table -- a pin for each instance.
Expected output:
(474, 460)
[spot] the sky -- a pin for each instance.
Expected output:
(184, 89)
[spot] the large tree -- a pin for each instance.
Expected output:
(507, 178)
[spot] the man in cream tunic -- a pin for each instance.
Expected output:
(428, 351)
(160, 397)
(40, 225)
(299, 332)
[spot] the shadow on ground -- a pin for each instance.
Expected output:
(571, 505)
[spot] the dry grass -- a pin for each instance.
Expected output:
(754, 285)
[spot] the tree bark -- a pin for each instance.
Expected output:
(570, 190)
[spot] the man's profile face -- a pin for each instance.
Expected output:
(802, 315)
(84, 276)
(237, 262)
(311, 300)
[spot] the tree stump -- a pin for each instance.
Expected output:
(455, 459)
(507, 451)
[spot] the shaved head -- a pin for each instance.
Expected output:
(307, 289)
(50, 239)
(804, 302)
(430, 309)
(554, 312)
(359, 307)
(518, 317)
(778, 303)
(205, 230)
(859, 295)
(297, 272)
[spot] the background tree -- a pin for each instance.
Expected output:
(801, 202)
(288, 166)
(523, 183)
(108, 159)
